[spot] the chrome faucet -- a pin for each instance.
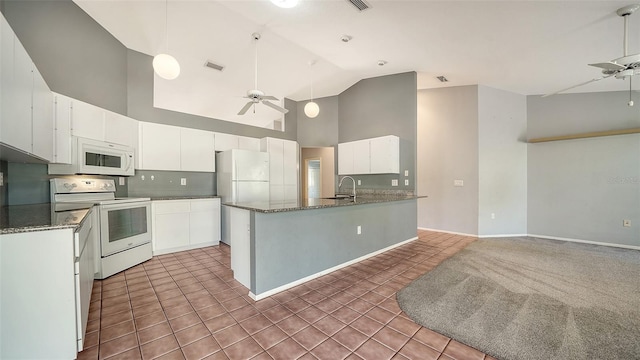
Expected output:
(354, 185)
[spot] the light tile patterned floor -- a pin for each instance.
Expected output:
(187, 305)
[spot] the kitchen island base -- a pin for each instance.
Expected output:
(274, 251)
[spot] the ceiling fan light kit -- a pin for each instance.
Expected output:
(256, 96)
(622, 67)
(165, 65)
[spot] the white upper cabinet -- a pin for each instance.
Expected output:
(87, 120)
(165, 147)
(42, 113)
(158, 147)
(379, 155)
(197, 151)
(25, 110)
(62, 129)
(224, 142)
(119, 129)
(283, 168)
(385, 155)
(248, 143)
(93, 122)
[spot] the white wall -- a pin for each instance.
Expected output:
(447, 149)
(584, 189)
(502, 119)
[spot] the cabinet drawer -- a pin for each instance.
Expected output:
(170, 207)
(205, 205)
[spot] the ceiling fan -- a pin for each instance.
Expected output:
(620, 68)
(256, 96)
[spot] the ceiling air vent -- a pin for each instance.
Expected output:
(359, 4)
(214, 66)
(442, 78)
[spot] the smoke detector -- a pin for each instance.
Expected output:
(346, 38)
(382, 62)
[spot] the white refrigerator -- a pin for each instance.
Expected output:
(243, 176)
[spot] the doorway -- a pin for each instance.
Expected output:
(313, 186)
(317, 172)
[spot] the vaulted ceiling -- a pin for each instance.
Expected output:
(527, 47)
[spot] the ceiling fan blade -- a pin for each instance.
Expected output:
(274, 106)
(245, 108)
(575, 86)
(269, 97)
(609, 66)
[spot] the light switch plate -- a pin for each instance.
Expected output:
(1, 179)
(406, 173)
(359, 182)
(183, 181)
(406, 182)
(394, 182)
(121, 180)
(458, 182)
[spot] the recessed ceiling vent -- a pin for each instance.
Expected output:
(359, 4)
(442, 78)
(214, 66)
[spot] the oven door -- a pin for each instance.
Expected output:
(124, 226)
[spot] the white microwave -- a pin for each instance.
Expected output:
(97, 158)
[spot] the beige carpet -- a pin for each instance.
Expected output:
(526, 298)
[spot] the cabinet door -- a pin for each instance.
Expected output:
(42, 117)
(224, 142)
(87, 120)
(62, 123)
(204, 222)
(196, 150)
(248, 143)
(385, 155)
(159, 147)
(290, 162)
(290, 193)
(276, 161)
(16, 92)
(276, 193)
(345, 158)
(171, 231)
(119, 129)
(361, 157)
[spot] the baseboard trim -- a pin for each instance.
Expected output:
(632, 247)
(184, 248)
(448, 232)
(501, 236)
(325, 272)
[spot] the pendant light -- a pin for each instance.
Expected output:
(311, 109)
(165, 65)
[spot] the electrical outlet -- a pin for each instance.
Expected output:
(121, 180)
(406, 182)
(359, 230)
(394, 182)
(142, 177)
(458, 182)
(1, 179)
(183, 181)
(626, 223)
(406, 173)
(153, 177)
(359, 182)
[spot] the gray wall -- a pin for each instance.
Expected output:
(322, 130)
(448, 150)
(75, 55)
(167, 183)
(583, 189)
(381, 106)
(4, 194)
(502, 182)
(330, 239)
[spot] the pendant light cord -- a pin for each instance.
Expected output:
(166, 23)
(256, 65)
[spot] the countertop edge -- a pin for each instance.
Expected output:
(26, 229)
(369, 201)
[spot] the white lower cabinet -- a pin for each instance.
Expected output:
(51, 279)
(185, 224)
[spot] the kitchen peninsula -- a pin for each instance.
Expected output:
(277, 245)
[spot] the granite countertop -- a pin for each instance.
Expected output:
(312, 203)
(193, 197)
(38, 217)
